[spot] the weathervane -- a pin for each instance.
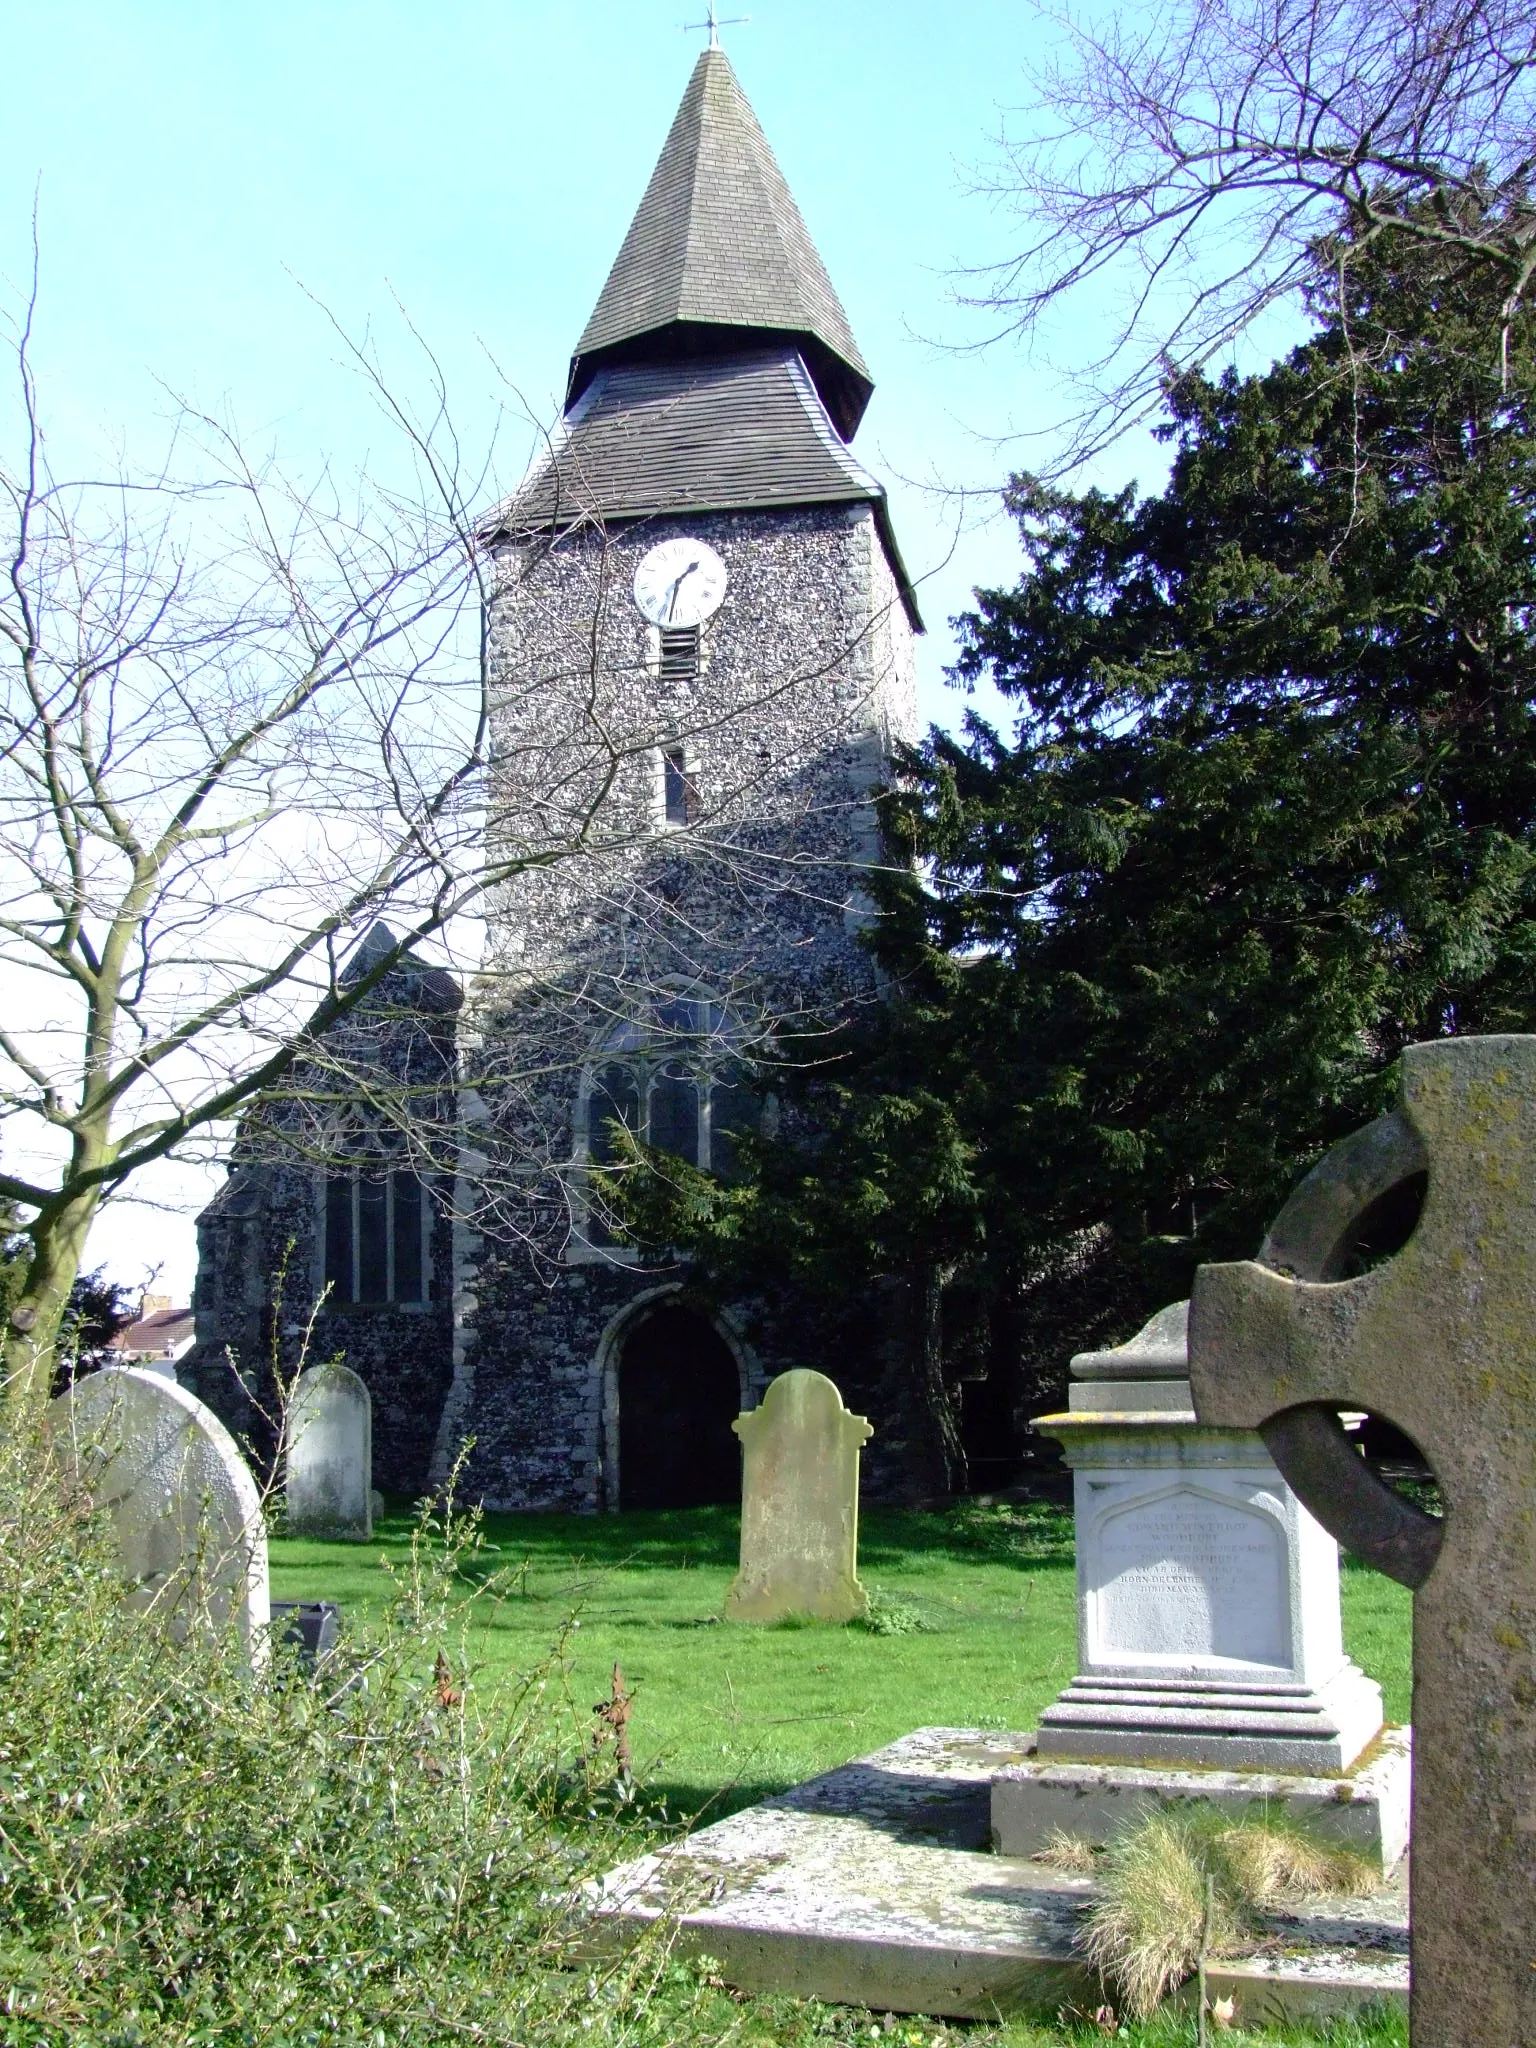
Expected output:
(714, 24)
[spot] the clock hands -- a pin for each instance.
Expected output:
(677, 586)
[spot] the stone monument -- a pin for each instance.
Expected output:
(1208, 1598)
(1210, 1650)
(184, 1505)
(799, 1505)
(329, 1466)
(1439, 1339)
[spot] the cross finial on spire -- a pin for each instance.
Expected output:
(714, 24)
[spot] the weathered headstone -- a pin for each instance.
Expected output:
(330, 1455)
(184, 1505)
(1211, 1659)
(1440, 1339)
(799, 1505)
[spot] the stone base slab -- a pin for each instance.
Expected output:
(1365, 1809)
(873, 1886)
(1215, 1725)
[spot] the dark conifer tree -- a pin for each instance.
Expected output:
(1267, 816)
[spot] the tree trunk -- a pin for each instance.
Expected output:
(31, 1338)
(933, 1397)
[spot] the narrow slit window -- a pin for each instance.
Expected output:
(679, 654)
(681, 796)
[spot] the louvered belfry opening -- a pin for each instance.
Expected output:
(679, 654)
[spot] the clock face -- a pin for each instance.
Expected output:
(680, 583)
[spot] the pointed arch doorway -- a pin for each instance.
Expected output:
(677, 1388)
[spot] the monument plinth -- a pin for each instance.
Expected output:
(1210, 1651)
(1208, 1597)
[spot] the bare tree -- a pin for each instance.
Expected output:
(1190, 157)
(242, 717)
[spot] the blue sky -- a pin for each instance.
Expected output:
(196, 164)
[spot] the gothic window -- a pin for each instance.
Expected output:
(676, 1082)
(615, 1100)
(377, 1219)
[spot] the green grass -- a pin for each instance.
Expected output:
(974, 1626)
(974, 1609)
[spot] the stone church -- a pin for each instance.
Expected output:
(700, 633)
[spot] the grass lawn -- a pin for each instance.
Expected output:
(974, 1625)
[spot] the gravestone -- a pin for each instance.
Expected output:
(799, 1505)
(1208, 1598)
(184, 1506)
(1211, 1663)
(330, 1455)
(1440, 1339)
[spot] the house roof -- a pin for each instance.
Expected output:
(738, 433)
(717, 255)
(163, 1333)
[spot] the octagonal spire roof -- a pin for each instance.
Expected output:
(717, 258)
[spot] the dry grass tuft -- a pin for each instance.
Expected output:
(1067, 1852)
(1275, 1862)
(1144, 1934)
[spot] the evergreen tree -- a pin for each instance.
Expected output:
(1268, 815)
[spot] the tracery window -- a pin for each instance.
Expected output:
(677, 1082)
(378, 1219)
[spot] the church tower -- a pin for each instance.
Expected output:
(701, 637)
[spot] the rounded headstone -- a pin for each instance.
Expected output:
(799, 1505)
(330, 1454)
(184, 1506)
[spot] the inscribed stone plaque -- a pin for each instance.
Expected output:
(1186, 1575)
(799, 1505)
(330, 1455)
(184, 1505)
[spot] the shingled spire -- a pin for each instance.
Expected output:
(718, 259)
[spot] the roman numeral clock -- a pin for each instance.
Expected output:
(679, 584)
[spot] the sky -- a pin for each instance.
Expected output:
(205, 174)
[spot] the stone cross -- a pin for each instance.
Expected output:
(1440, 1339)
(330, 1454)
(184, 1506)
(799, 1505)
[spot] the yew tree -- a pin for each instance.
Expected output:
(1267, 814)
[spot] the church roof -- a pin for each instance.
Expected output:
(735, 433)
(717, 254)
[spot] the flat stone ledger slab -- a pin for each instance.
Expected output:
(329, 1467)
(873, 1885)
(799, 1505)
(1208, 1597)
(184, 1506)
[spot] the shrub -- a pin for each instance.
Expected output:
(374, 1852)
